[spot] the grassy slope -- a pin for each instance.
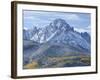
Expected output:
(66, 61)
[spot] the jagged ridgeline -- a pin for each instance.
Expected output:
(55, 45)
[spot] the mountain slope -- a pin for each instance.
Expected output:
(59, 31)
(57, 39)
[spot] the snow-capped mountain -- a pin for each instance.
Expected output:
(29, 34)
(58, 32)
(56, 40)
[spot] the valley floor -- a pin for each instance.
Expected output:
(56, 62)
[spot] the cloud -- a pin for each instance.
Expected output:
(51, 15)
(73, 17)
(42, 18)
(88, 27)
(85, 29)
(28, 17)
(80, 30)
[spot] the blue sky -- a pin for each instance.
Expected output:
(80, 21)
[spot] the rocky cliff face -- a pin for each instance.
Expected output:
(58, 32)
(56, 40)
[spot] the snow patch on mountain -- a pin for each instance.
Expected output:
(60, 32)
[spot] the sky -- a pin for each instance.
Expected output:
(80, 21)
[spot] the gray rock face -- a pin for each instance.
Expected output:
(57, 39)
(60, 32)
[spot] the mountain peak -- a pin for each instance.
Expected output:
(60, 24)
(58, 32)
(59, 20)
